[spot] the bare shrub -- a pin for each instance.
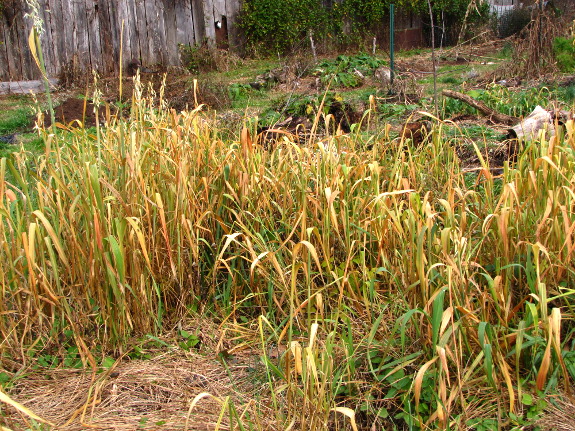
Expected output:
(533, 54)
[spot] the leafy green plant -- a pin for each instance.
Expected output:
(395, 110)
(279, 25)
(564, 50)
(190, 340)
(347, 71)
(238, 91)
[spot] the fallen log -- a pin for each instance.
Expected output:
(25, 87)
(482, 107)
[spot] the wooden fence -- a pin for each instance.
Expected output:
(86, 33)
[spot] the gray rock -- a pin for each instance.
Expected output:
(8, 139)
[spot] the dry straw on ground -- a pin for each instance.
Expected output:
(559, 416)
(147, 394)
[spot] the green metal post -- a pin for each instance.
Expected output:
(391, 43)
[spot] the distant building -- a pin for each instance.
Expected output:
(409, 31)
(499, 7)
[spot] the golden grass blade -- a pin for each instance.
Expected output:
(34, 50)
(346, 411)
(141, 240)
(296, 351)
(55, 239)
(419, 381)
(6, 399)
(193, 404)
(311, 249)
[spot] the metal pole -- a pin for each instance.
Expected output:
(391, 43)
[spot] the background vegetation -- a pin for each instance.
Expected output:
(282, 25)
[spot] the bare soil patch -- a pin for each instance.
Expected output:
(76, 112)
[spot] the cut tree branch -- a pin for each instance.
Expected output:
(482, 107)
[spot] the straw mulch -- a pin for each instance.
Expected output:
(146, 394)
(559, 415)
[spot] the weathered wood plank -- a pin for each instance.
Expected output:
(172, 54)
(14, 63)
(68, 34)
(132, 32)
(232, 13)
(54, 22)
(80, 26)
(145, 42)
(184, 22)
(46, 39)
(4, 65)
(12, 49)
(154, 47)
(116, 26)
(199, 24)
(161, 42)
(106, 41)
(163, 31)
(209, 26)
(93, 31)
(25, 87)
(22, 28)
(126, 41)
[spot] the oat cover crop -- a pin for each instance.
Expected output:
(407, 292)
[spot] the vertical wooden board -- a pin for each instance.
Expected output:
(221, 35)
(218, 8)
(46, 38)
(12, 52)
(132, 31)
(232, 13)
(209, 27)
(199, 24)
(93, 21)
(152, 31)
(54, 16)
(161, 36)
(5, 35)
(4, 65)
(124, 53)
(124, 30)
(14, 66)
(69, 30)
(142, 27)
(68, 33)
(21, 30)
(81, 29)
(184, 22)
(173, 56)
(116, 27)
(106, 41)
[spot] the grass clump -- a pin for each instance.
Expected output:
(564, 50)
(401, 295)
(15, 117)
(508, 101)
